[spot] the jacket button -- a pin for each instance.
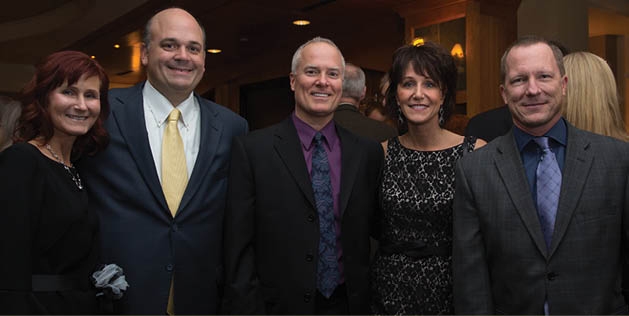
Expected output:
(551, 276)
(309, 258)
(311, 218)
(307, 297)
(169, 267)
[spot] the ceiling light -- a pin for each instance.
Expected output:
(93, 57)
(116, 46)
(214, 50)
(457, 51)
(418, 41)
(301, 22)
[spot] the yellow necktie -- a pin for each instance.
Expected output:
(174, 177)
(174, 172)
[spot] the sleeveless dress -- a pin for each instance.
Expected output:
(411, 272)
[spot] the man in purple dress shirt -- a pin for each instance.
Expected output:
(272, 223)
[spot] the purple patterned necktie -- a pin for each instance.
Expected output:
(327, 267)
(548, 188)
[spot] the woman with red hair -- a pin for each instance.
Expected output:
(49, 243)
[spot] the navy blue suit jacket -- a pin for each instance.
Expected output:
(137, 229)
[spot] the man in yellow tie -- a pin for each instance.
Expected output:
(160, 186)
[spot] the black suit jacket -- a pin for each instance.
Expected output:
(271, 223)
(138, 231)
(500, 260)
(490, 124)
(350, 118)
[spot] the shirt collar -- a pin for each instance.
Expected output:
(306, 133)
(558, 133)
(160, 106)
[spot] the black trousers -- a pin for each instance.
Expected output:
(335, 305)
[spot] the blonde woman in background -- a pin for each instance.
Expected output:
(591, 102)
(9, 113)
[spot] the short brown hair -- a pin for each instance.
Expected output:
(528, 41)
(429, 60)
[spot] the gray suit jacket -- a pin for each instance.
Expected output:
(137, 230)
(500, 261)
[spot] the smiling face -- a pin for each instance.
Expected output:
(74, 109)
(317, 82)
(419, 98)
(175, 57)
(533, 88)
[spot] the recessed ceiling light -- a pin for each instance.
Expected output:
(214, 50)
(301, 22)
(93, 57)
(116, 46)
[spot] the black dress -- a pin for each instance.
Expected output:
(411, 271)
(48, 237)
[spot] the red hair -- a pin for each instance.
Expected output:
(52, 72)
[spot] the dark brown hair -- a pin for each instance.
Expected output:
(52, 72)
(429, 60)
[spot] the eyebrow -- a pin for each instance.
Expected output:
(172, 39)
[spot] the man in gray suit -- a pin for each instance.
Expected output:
(169, 242)
(347, 114)
(528, 240)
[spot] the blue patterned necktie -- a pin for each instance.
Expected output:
(548, 188)
(327, 267)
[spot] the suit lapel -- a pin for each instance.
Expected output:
(511, 170)
(130, 119)
(576, 170)
(211, 132)
(288, 147)
(350, 162)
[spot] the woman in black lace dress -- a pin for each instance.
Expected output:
(411, 270)
(49, 241)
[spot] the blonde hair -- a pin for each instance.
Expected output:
(10, 111)
(591, 101)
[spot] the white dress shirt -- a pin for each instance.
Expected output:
(156, 111)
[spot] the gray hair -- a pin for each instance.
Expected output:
(353, 82)
(146, 35)
(529, 41)
(297, 56)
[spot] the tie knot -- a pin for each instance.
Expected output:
(318, 138)
(542, 142)
(174, 115)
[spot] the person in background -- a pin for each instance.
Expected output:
(49, 244)
(591, 101)
(9, 113)
(540, 213)
(302, 203)
(160, 187)
(411, 271)
(347, 114)
(490, 124)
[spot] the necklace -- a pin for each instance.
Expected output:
(75, 178)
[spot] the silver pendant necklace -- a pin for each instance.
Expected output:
(75, 178)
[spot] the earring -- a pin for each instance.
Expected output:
(400, 118)
(441, 119)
